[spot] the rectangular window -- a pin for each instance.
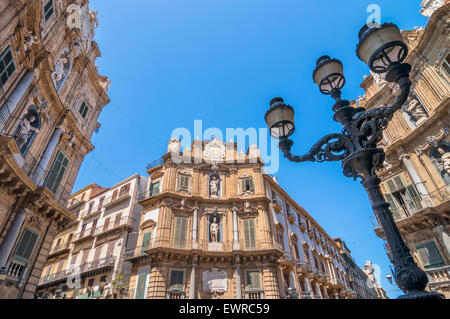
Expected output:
(100, 203)
(56, 173)
(83, 110)
(114, 195)
(253, 280)
(48, 10)
(431, 258)
(154, 189)
(247, 185)
(146, 241)
(117, 221)
(404, 199)
(7, 66)
(106, 224)
(249, 233)
(124, 190)
(26, 245)
(140, 286)
(91, 205)
(180, 232)
(183, 182)
(176, 280)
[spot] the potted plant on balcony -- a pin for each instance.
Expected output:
(118, 287)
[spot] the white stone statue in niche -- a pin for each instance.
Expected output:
(415, 109)
(446, 162)
(214, 187)
(25, 130)
(60, 67)
(214, 230)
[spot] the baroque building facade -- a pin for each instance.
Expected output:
(87, 257)
(416, 174)
(214, 225)
(50, 98)
(363, 283)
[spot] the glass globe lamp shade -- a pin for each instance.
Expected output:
(381, 48)
(280, 119)
(329, 74)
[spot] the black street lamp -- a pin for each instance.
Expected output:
(356, 146)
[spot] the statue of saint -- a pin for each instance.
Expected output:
(415, 109)
(214, 230)
(24, 131)
(214, 187)
(446, 162)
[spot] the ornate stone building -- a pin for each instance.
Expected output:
(361, 285)
(214, 225)
(50, 98)
(87, 257)
(416, 174)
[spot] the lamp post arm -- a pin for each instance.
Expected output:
(330, 148)
(386, 113)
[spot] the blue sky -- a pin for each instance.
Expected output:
(221, 61)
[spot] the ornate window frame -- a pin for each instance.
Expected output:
(184, 174)
(249, 192)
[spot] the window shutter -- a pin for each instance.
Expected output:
(176, 280)
(393, 206)
(91, 205)
(106, 224)
(249, 233)
(414, 196)
(110, 250)
(140, 287)
(430, 255)
(57, 171)
(60, 266)
(114, 196)
(253, 280)
(250, 183)
(100, 204)
(26, 244)
(434, 255)
(146, 241)
(243, 186)
(98, 251)
(180, 232)
(74, 258)
(85, 257)
(117, 221)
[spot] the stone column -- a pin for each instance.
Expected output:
(195, 229)
(8, 107)
(235, 229)
(292, 281)
(416, 180)
(43, 163)
(192, 289)
(237, 264)
(319, 290)
(308, 286)
(11, 237)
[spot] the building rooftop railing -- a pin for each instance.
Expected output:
(154, 164)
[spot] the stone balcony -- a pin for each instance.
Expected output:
(175, 294)
(254, 294)
(439, 278)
